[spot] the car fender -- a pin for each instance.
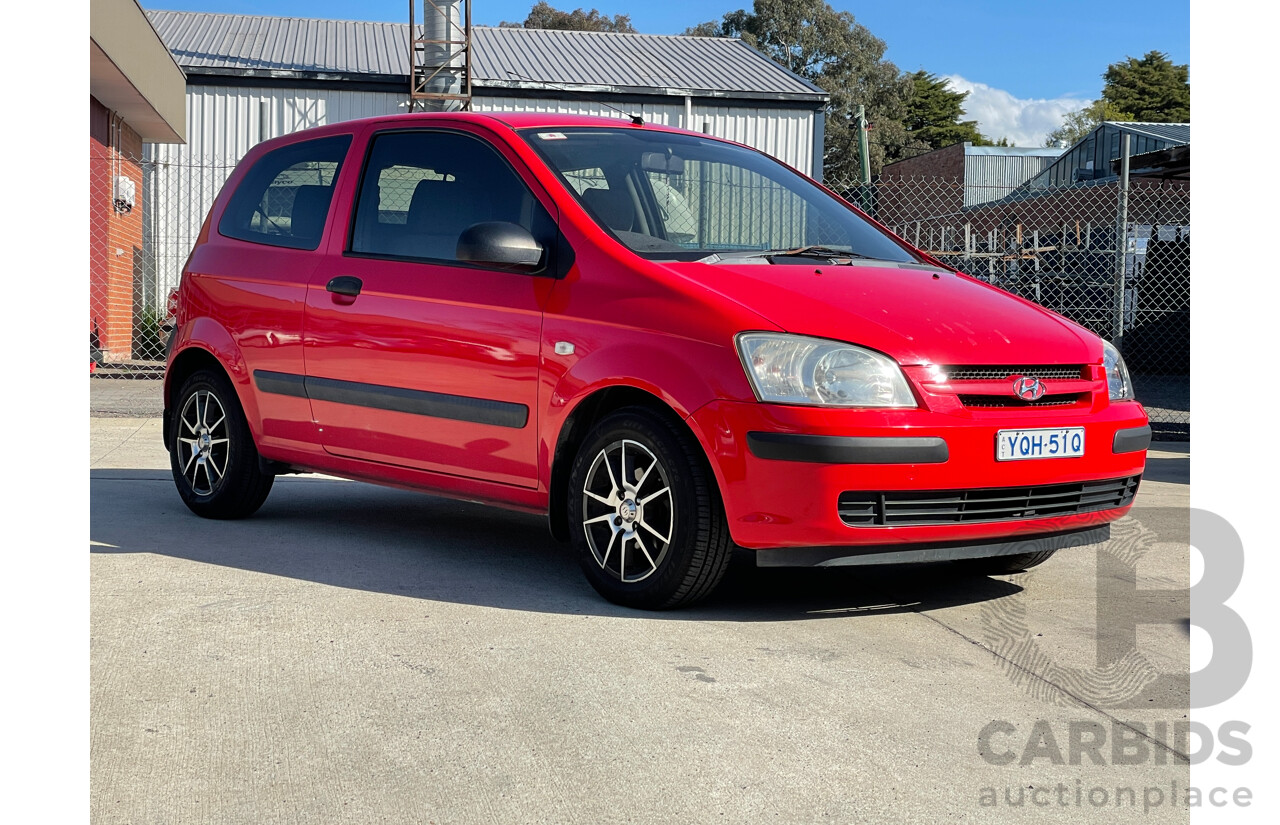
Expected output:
(204, 333)
(682, 374)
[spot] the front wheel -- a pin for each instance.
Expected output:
(646, 518)
(211, 451)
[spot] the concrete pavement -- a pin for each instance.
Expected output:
(359, 654)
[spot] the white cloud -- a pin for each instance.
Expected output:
(1000, 114)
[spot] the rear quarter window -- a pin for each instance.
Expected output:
(284, 199)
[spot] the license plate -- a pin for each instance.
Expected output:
(1017, 445)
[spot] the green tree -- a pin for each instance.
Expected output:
(709, 29)
(545, 16)
(841, 56)
(1151, 89)
(1077, 124)
(933, 115)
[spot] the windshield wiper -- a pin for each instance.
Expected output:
(816, 251)
(825, 253)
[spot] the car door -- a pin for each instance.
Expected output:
(414, 358)
(253, 275)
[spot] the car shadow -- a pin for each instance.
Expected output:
(1174, 470)
(360, 536)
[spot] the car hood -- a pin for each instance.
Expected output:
(915, 313)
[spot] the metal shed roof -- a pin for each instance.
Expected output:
(1174, 133)
(304, 48)
(1011, 151)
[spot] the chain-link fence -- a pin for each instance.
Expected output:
(144, 217)
(1115, 262)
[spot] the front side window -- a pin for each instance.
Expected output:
(284, 199)
(682, 197)
(421, 190)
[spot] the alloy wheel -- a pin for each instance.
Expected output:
(628, 512)
(203, 441)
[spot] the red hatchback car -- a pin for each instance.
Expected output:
(667, 343)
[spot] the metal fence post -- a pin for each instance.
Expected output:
(1122, 241)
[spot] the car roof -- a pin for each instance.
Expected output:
(513, 120)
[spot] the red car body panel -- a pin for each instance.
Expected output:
(666, 329)
(919, 316)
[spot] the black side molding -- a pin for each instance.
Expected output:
(837, 449)
(1131, 440)
(280, 383)
(395, 399)
(419, 402)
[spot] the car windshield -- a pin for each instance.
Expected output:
(681, 197)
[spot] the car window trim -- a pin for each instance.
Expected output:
(554, 266)
(337, 175)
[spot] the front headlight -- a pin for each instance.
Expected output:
(794, 369)
(1119, 387)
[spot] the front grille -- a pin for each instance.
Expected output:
(908, 507)
(1060, 371)
(1010, 401)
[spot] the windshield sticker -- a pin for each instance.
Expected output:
(552, 135)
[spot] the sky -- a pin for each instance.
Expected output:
(1024, 64)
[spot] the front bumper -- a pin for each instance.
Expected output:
(933, 552)
(782, 469)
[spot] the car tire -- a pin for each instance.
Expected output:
(645, 516)
(211, 451)
(1000, 565)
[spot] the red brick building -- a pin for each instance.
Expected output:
(136, 95)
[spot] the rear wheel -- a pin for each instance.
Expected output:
(211, 451)
(646, 519)
(998, 565)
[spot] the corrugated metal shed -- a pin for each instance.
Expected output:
(253, 78)
(634, 62)
(200, 40)
(1089, 160)
(283, 47)
(1174, 134)
(992, 172)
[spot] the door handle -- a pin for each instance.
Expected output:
(348, 285)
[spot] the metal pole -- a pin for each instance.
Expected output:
(413, 59)
(864, 191)
(1122, 242)
(861, 117)
(467, 58)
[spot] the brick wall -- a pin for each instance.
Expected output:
(942, 172)
(115, 237)
(940, 163)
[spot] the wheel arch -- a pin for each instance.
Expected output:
(192, 358)
(589, 411)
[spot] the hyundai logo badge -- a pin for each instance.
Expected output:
(1028, 389)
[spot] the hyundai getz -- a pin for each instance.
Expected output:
(669, 344)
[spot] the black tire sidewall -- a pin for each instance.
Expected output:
(238, 493)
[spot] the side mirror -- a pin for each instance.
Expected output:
(501, 245)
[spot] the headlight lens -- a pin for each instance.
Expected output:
(1119, 387)
(794, 369)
